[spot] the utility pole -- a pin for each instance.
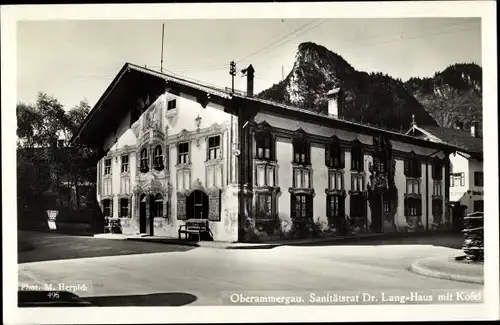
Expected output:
(162, 36)
(282, 73)
(232, 72)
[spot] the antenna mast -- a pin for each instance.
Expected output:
(232, 72)
(162, 36)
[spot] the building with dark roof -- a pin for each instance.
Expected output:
(466, 165)
(173, 149)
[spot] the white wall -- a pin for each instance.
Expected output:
(174, 122)
(459, 164)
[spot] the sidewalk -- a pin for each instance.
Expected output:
(235, 245)
(446, 267)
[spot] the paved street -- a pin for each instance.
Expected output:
(200, 276)
(44, 246)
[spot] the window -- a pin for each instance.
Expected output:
(479, 206)
(413, 207)
(437, 208)
(158, 158)
(357, 182)
(107, 208)
(334, 155)
(107, 166)
(335, 206)
(478, 179)
(158, 206)
(144, 161)
(336, 180)
(301, 206)
(125, 164)
(357, 159)
(357, 206)
(413, 168)
(457, 179)
(387, 206)
(301, 178)
(264, 206)
(264, 145)
(214, 147)
(413, 186)
(183, 153)
(301, 152)
(438, 188)
(171, 104)
(265, 175)
(124, 208)
(437, 169)
(380, 166)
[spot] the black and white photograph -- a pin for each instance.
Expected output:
(250, 162)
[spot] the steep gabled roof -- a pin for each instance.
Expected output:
(134, 84)
(459, 138)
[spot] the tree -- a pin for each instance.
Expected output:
(42, 164)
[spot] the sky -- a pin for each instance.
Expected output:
(77, 59)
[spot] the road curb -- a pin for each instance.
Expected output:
(164, 241)
(418, 267)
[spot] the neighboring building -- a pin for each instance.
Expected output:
(466, 165)
(174, 149)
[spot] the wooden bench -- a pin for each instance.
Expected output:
(112, 226)
(194, 227)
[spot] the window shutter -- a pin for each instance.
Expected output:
(419, 208)
(342, 158)
(292, 206)
(419, 168)
(406, 207)
(309, 206)
(434, 170)
(341, 206)
(119, 208)
(328, 206)
(361, 161)
(181, 208)
(214, 206)
(407, 167)
(111, 208)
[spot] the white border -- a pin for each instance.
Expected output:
(484, 9)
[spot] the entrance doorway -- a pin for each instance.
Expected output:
(377, 213)
(197, 205)
(146, 220)
(142, 214)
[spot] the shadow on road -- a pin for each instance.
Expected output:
(449, 240)
(68, 299)
(40, 246)
(154, 299)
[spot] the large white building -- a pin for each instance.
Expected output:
(466, 166)
(174, 149)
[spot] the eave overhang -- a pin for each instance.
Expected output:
(134, 89)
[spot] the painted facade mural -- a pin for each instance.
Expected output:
(165, 169)
(177, 162)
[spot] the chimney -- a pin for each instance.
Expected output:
(249, 73)
(474, 129)
(333, 105)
